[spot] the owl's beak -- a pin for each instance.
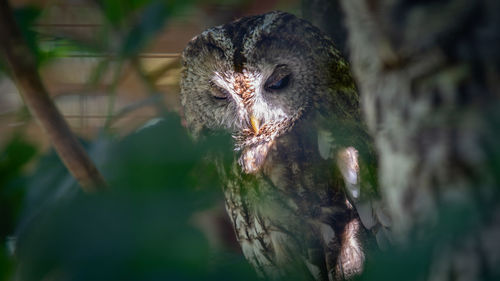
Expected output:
(255, 124)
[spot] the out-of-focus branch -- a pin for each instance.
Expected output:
(152, 100)
(22, 65)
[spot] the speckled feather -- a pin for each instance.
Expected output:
(287, 203)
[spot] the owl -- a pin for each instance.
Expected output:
(284, 93)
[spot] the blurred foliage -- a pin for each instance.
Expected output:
(13, 159)
(139, 229)
(25, 18)
(136, 22)
(128, 28)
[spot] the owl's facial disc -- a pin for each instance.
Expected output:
(259, 120)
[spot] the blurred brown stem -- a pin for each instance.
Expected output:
(23, 67)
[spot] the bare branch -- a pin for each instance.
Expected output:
(22, 64)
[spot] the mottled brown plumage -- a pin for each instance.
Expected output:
(280, 87)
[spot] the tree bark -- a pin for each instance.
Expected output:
(328, 16)
(22, 64)
(429, 79)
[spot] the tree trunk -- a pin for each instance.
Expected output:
(429, 79)
(328, 16)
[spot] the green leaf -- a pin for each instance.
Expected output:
(25, 18)
(13, 158)
(140, 228)
(150, 23)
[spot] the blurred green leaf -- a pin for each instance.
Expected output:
(114, 236)
(6, 264)
(157, 157)
(44, 47)
(141, 228)
(25, 18)
(151, 21)
(137, 22)
(117, 11)
(13, 158)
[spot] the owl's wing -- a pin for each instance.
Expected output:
(359, 173)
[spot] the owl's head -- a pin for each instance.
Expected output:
(256, 77)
